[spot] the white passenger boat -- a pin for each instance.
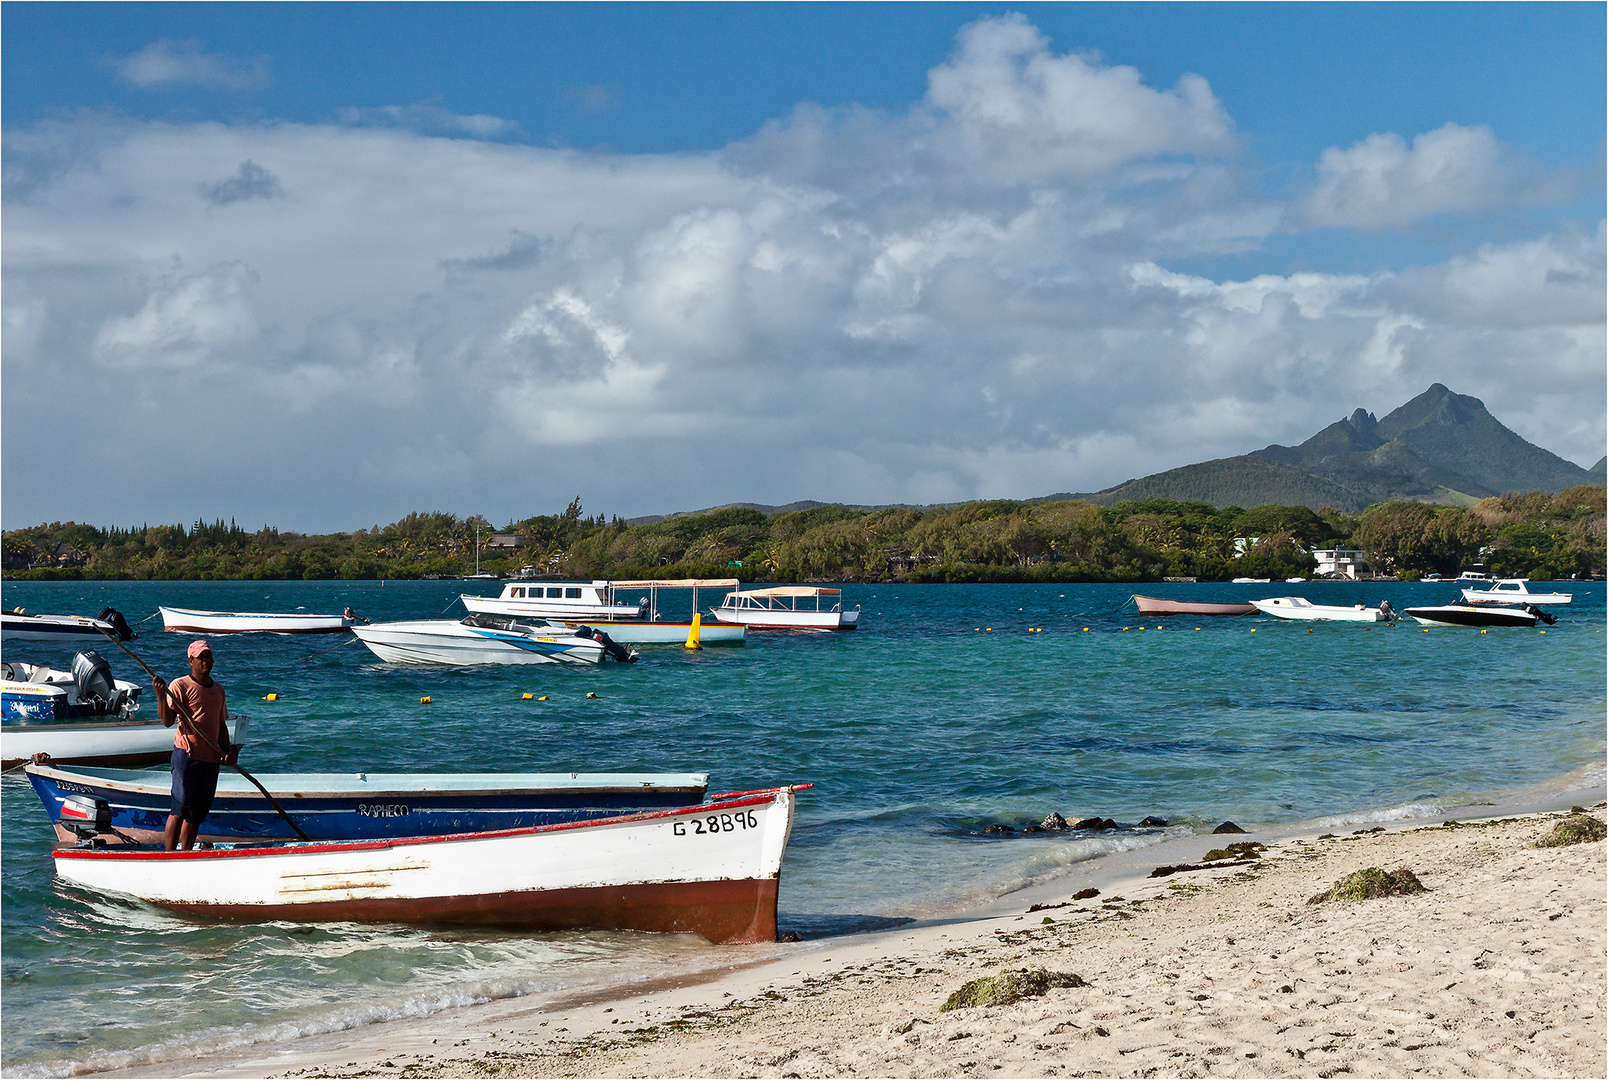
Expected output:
(788, 607)
(642, 625)
(486, 639)
(187, 621)
(99, 741)
(71, 630)
(1298, 607)
(1480, 615)
(1514, 591)
(710, 869)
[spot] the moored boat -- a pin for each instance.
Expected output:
(637, 622)
(71, 630)
(1299, 607)
(1154, 605)
(485, 639)
(710, 869)
(100, 741)
(188, 621)
(1514, 591)
(357, 806)
(1479, 615)
(788, 607)
(40, 693)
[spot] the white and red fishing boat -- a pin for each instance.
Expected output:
(1155, 605)
(788, 607)
(188, 621)
(710, 869)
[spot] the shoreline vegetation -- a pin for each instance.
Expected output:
(1266, 966)
(1539, 535)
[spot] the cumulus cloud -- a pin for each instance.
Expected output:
(430, 118)
(182, 63)
(1382, 181)
(981, 297)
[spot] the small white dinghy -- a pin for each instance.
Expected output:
(189, 621)
(1299, 607)
(710, 869)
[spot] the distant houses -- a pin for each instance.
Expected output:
(1335, 562)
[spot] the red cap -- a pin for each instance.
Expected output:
(197, 647)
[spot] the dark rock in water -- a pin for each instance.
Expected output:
(1095, 824)
(1032, 828)
(1227, 827)
(1054, 821)
(1153, 822)
(1085, 894)
(790, 936)
(999, 829)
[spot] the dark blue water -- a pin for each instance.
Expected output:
(952, 708)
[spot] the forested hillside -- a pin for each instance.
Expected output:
(1540, 535)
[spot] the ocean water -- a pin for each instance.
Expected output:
(954, 707)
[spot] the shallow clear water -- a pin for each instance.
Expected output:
(948, 711)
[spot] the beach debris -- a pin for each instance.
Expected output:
(1153, 823)
(1085, 894)
(1050, 907)
(1574, 829)
(1095, 824)
(791, 937)
(1371, 884)
(1053, 821)
(1245, 849)
(1365, 832)
(1227, 827)
(1009, 987)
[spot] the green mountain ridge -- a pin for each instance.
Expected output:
(1440, 447)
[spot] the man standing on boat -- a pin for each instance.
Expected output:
(200, 745)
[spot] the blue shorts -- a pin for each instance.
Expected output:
(194, 785)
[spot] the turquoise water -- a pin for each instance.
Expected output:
(950, 710)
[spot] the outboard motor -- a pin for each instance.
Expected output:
(1387, 611)
(93, 677)
(89, 817)
(118, 623)
(1539, 614)
(610, 646)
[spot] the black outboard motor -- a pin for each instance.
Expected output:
(610, 646)
(93, 677)
(89, 817)
(1539, 614)
(111, 615)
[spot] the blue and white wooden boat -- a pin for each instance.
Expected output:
(364, 806)
(37, 692)
(485, 639)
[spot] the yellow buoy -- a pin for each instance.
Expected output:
(542, 698)
(424, 701)
(692, 634)
(1085, 629)
(270, 697)
(1543, 631)
(1253, 629)
(1482, 631)
(528, 697)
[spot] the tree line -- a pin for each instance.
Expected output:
(1538, 535)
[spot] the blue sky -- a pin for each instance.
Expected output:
(487, 257)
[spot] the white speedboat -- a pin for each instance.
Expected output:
(635, 622)
(1514, 591)
(102, 740)
(1480, 615)
(710, 869)
(1299, 607)
(35, 692)
(788, 607)
(64, 629)
(188, 621)
(486, 639)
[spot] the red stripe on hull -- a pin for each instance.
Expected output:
(256, 630)
(725, 912)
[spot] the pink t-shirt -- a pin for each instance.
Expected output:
(204, 705)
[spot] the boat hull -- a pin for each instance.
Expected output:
(358, 806)
(1151, 605)
(186, 621)
(555, 610)
(1514, 596)
(779, 619)
(108, 743)
(72, 630)
(433, 641)
(1471, 615)
(1280, 608)
(710, 870)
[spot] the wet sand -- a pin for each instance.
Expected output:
(1497, 970)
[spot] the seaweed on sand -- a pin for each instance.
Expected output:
(1574, 829)
(1370, 884)
(1009, 987)
(1246, 849)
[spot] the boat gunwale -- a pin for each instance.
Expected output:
(320, 847)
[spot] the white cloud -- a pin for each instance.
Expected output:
(1382, 181)
(182, 63)
(981, 297)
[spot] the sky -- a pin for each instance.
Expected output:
(321, 265)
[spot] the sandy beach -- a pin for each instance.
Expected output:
(1497, 969)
